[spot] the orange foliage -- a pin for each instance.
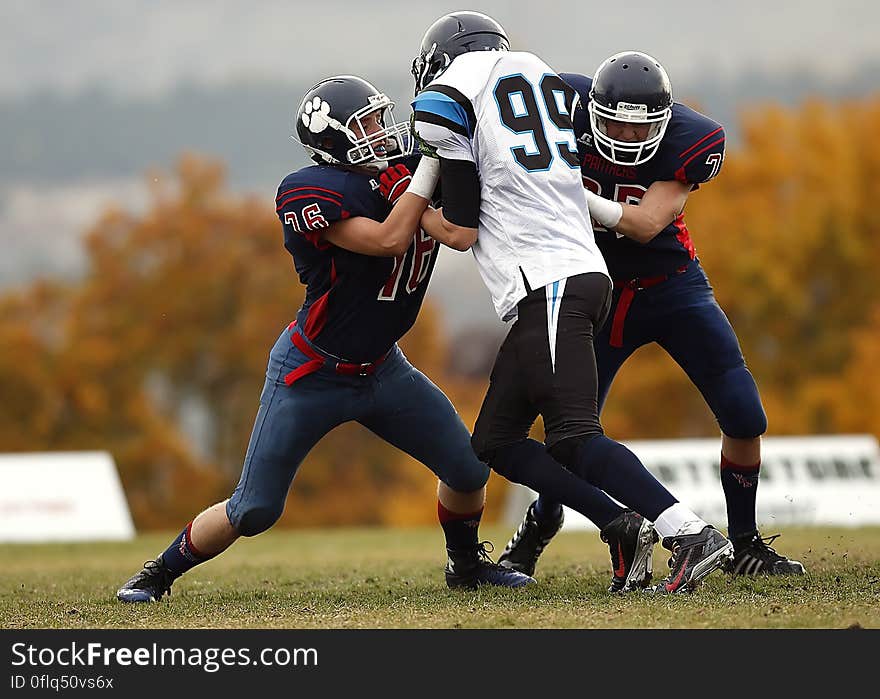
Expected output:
(181, 305)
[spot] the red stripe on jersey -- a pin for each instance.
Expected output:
(316, 238)
(703, 150)
(707, 136)
(308, 189)
(317, 316)
(306, 196)
(683, 236)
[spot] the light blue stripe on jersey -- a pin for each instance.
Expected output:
(441, 105)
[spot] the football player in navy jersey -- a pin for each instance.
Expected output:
(642, 154)
(351, 224)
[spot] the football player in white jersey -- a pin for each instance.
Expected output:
(500, 122)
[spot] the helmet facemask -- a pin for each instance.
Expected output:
(375, 149)
(627, 152)
(429, 65)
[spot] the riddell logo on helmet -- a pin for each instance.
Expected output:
(631, 108)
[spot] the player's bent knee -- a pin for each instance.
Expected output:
(490, 458)
(512, 461)
(257, 520)
(740, 414)
(565, 450)
(467, 481)
(462, 469)
(746, 425)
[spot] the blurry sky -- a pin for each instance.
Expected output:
(143, 46)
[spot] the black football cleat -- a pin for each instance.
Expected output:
(148, 585)
(752, 555)
(694, 556)
(471, 568)
(630, 538)
(529, 541)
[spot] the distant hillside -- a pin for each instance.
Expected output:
(96, 135)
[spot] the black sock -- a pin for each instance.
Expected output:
(547, 509)
(182, 555)
(740, 485)
(461, 529)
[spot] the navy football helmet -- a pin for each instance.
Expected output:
(329, 124)
(630, 87)
(451, 36)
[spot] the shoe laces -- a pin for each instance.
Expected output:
(484, 548)
(762, 544)
(161, 573)
(676, 548)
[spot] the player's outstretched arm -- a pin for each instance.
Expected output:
(659, 207)
(456, 224)
(444, 231)
(409, 193)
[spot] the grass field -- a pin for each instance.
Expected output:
(382, 578)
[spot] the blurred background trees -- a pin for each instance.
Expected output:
(158, 354)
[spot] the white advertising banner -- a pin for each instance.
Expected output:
(62, 496)
(825, 480)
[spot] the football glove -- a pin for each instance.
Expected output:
(394, 181)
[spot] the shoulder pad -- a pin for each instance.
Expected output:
(445, 106)
(693, 146)
(310, 201)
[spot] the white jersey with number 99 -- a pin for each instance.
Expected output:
(510, 114)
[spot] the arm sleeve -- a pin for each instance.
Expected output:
(460, 184)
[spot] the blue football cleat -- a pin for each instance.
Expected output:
(148, 585)
(470, 568)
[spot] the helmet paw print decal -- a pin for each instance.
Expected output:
(315, 115)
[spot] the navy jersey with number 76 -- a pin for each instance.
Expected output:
(356, 306)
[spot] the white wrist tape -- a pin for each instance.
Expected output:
(424, 179)
(606, 212)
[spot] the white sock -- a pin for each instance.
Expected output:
(677, 521)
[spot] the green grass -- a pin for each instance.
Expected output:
(384, 578)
